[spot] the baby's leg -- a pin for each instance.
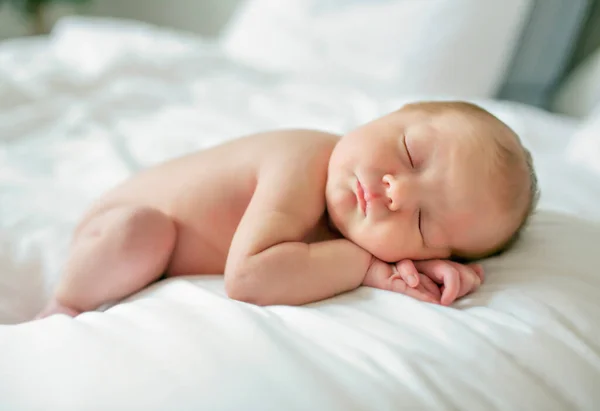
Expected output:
(114, 254)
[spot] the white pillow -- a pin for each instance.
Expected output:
(453, 47)
(579, 95)
(583, 150)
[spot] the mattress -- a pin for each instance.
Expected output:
(74, 122)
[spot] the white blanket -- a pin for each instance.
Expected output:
(76, 119)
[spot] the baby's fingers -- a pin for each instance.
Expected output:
(421, 294)
(430, 286)
(398, 285)
(451, 284)
(442, 272)
(408, 272)
(470, 280)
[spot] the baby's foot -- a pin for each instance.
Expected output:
(54, 307)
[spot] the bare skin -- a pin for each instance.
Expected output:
(271, 210)
(188, 212)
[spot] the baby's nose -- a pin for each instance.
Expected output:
(400, 192)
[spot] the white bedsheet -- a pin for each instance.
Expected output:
(76, 119)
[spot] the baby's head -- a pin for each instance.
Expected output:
(431, 180)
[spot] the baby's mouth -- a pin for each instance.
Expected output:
(360, 195)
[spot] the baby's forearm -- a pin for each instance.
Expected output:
(297, 273)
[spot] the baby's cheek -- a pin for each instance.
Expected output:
(393, 246)
(435, 242)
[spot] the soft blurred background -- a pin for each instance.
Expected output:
(205, 17)
(570, 28)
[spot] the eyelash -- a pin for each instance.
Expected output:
(420, 229)
(408, 153)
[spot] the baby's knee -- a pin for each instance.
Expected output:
(131, 227)
(146, 224)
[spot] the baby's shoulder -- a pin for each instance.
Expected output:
(292, 139)
(296, 147)
(294, 158)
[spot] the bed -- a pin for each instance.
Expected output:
(75, 120)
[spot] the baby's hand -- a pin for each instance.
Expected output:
(401, 278)
(456, 280)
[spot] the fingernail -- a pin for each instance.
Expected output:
(412, 280)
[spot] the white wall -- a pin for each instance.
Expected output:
(205, 17)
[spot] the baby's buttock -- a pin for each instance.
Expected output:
(202, 237)
(205, 228)
(205, 197)
(198, 250)
(204, 225)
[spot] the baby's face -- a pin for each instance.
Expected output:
(412, 186)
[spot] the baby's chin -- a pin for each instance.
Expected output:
(381, 253)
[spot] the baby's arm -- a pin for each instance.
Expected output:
(268, 263)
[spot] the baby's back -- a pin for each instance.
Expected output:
(206, 193)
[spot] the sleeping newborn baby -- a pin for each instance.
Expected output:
(297, 216)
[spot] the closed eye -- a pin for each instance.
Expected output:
(419, 221)
(407, 152)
